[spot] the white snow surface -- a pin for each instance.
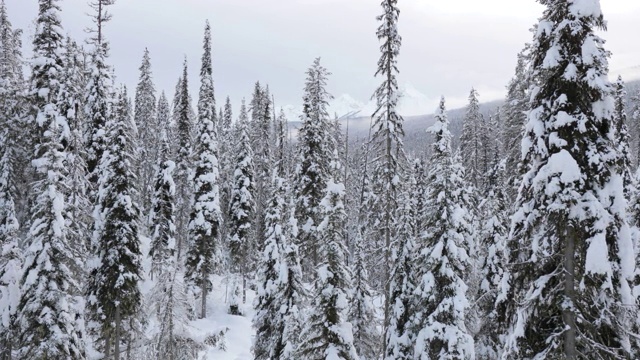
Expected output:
(239, 332)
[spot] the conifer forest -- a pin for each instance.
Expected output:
(168, 224)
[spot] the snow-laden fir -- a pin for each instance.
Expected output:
(143, 229)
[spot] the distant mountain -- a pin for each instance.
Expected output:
(630, 74)
(411, 103)
(416, 109)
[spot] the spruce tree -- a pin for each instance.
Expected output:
(387, 147)
(399, 336)
(71, 101)
(226, 143)
(443, 263)
(571, 262)
(114, 297)
(169, 298)
(49, 320)
(327, 334)
(145, 118)
(11, 259)
(261, 135)
(163, 111)
(622, 132)
(182, 114)
(162, 217)
(206, 216)
(281, 129)
(489, 260)
(242, 206)
(98, 94)
(14, 107)
(471, 146)
(279, 285)
(361, 314)
(10, 254)
(316, 147)
(515, 118)
(170, 301)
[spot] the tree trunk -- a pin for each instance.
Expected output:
(568, 315)
(203, 311)
(107, 347)
(244, 287)
(116, 350)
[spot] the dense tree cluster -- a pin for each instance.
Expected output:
(123, 223)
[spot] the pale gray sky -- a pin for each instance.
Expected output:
(448, 46)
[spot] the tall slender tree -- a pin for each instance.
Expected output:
(114, 297)
(99, 87)
(328, 334)
(316, 147)
(443, 263)
(162, 217)
(490, 261)
(622, 132)
(471, 146)
(49, 307)
(387, 144)
(571, 262)
(183, 122)
(242, 206)
(400, 335)
(514, 114)
(280, 288)
(145, 118)
(206, 216)
(10, 254)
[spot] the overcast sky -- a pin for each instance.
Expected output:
(448, 46)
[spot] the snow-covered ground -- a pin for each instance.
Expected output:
(237, 330)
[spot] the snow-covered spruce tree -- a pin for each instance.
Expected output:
(183, 122)
(14, 109)
(10, 50)
(206, 216)
(387, 146)
(281, 129)
(514, 115)
(79, 205)
(145, 118)
(470, 145)
(261, 135)
(10, 272)
(571, 259)
(99, 88)
(327, 334)
(227, 155)
(443, 263)
(242, 206)
(490, 260)
(169, 298)
(622, 134)
(316, 148)
(280, 288)
(170, 301)
(292, 292)
(49, 311)
(361, 315)
(162, 217)
(114, 297)
(49, 308)
(10, 254)
(163, 118)
(399, 333)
